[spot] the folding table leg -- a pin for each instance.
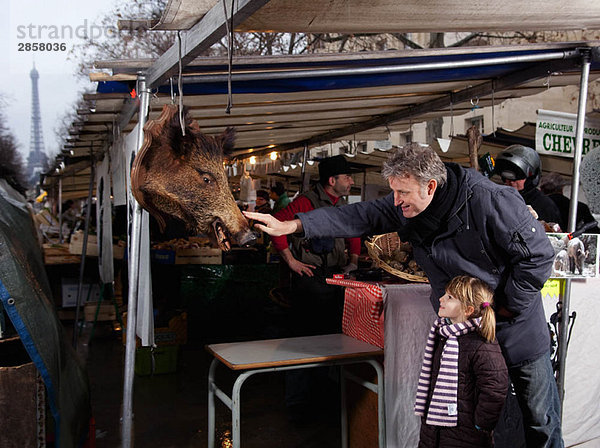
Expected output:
(211, 403)
(343, 409)
(235, 408)
(380, 401)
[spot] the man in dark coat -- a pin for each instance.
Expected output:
(520, 167)
(460, 223)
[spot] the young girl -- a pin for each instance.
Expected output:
(464, 380)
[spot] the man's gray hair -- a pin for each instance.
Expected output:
(415, 160)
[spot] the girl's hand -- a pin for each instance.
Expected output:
(272, 225)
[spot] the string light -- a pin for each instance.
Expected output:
(273, 155)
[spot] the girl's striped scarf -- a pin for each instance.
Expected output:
(443, 407)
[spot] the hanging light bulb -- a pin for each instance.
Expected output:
(294, 160)
(253, 160)
(273, 155)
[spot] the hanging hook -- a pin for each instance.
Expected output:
(172, 91)
(547, 81)
(229, 30)
(180, 87)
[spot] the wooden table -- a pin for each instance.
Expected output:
(271, 355)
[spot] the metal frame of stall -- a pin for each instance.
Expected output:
(585, 56)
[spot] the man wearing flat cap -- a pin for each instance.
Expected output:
(318, 258)
(316, 306)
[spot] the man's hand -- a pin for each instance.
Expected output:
(349, 268)
(301, 268)
(296, 265)
(272, 225)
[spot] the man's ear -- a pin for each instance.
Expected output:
(331, 181)
(431, 187)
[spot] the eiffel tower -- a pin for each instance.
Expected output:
(37, 161)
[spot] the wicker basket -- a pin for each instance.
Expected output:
(384, 245)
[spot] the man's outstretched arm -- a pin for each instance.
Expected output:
(273, 226)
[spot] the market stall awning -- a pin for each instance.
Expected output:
(283, 103)
(390, 16)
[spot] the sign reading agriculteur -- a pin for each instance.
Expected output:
(555, 134)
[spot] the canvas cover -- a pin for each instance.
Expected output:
(27, 301)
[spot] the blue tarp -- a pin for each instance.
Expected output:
(349, 81)
(26, 298)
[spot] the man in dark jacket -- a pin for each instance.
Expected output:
(520, 167)
(460, 223)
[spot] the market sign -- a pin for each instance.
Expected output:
(555, 133)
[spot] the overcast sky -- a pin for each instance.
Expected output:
(49, 21)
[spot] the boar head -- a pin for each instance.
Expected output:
(184, 177)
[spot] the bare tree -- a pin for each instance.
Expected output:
(11, 162)
(132, 42)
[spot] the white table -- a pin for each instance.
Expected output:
(271, 355)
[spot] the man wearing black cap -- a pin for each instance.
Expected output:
(316, 306)
(319, 257)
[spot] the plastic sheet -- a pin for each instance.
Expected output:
(26, 298)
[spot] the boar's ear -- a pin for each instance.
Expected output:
(227, 140)
(173, 135)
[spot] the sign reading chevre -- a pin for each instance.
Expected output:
(555, 134)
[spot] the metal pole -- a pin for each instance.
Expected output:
(60, 210)
(380, 69)
(134, 261)
(84, 252)
(303, 175)
(564, 322)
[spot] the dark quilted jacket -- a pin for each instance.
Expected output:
(482, 387)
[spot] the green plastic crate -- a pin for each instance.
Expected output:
(165, 360)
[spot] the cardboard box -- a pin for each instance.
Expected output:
(76, 246)
(106, 312)
(59, 254)
(22, 397)
(162, 256)
(69, 292)
(199, 255)
(174, 334)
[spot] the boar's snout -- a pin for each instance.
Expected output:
(246, 237)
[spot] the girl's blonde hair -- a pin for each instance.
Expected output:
(474, 292)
